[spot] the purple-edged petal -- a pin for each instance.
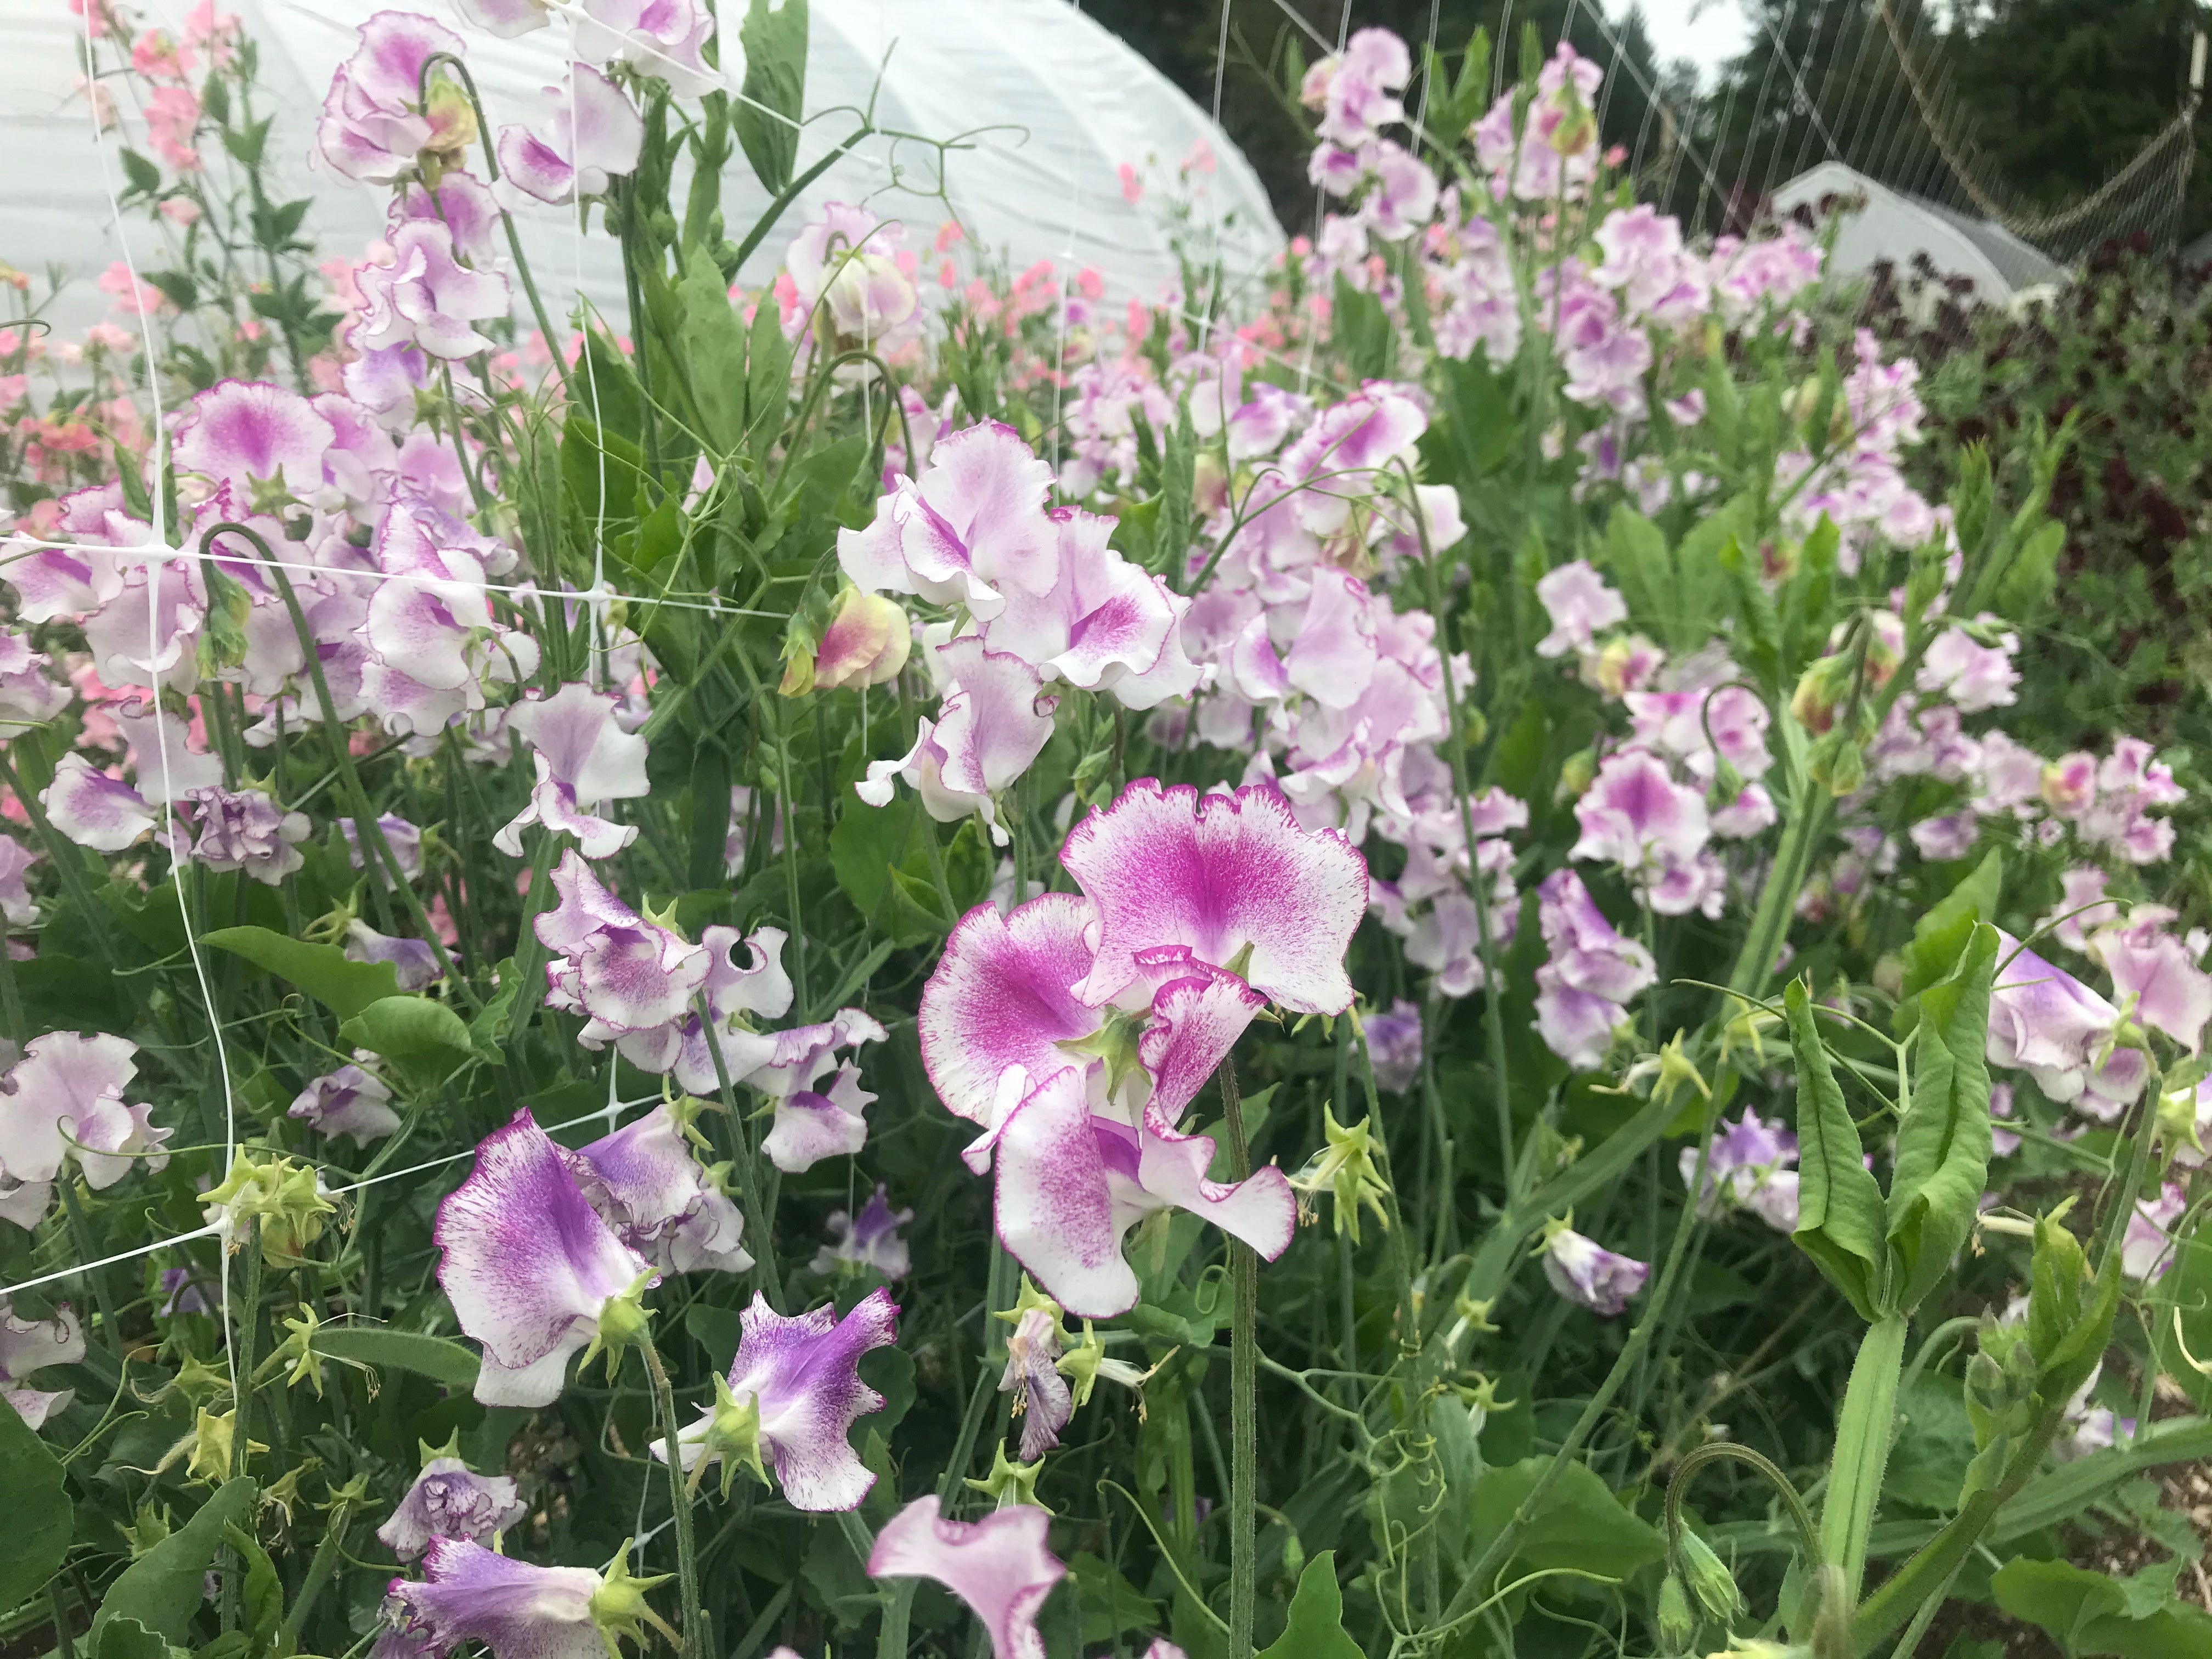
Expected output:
(1062, 1208)
(1221, 874)
(29, 1345)
(527, 1264)
(1582, 1271)
(65, 1081)
(516, 1610)
(803, 1374)
(811, 1126)
(1195, 1022)
(576, 730)
(762, 987)
(92, 809)
(993, 724)
(1002, 996)
(1260, 1210)
(448, 1500)
(998, 1565)
(646, 1184)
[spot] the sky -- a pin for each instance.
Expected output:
(1706, 32)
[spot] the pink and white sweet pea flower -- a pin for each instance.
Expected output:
(1635, 816)
(583, 757)
(590, 131)
(374, 127)
(527, 1263)
(1582, 1271)
(516, 1610)
(93, 809)
(1231, 878)
(846, 271)
(971, 526)
(812, 1125)
(63, 1100)
(347, 1101)
(28, 1346)
(424, 297)
(1581, 606)
(998, 1565)
(2049, 1025)
(450, 1500)
(800, 1375)
(242, 432)
(2155, 976)
(658, 38)
(1583, 990)
(1101, 619)
(634, 978)
(994, 722)
(645, 1185)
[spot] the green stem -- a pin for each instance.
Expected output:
(244, 1343)
(64, 1640)
(371, 832)
(1863, 1435)
(746, 1158)
(81, 1232)
(320, 1570)
(1809, 1537)
(1244, 1391)
(680, 1496)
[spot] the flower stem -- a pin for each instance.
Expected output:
(679, 1495)
(1243, 1390)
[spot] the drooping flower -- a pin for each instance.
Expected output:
(998, 1565)
(374, 125)
(414, 964)
(62, 1100)
(449, 1500)
(794, 1394)
(347, 1101)
(528, 1265)
(645, 1183)
(1583, 990)
(590, 130)
(1582, 1271)
(583, 757)
(1233, 878)
(404, 840)
(29, 1345)
(2055, 1029)
(518, 1611)
(92, 809)
(1042, 1398)
(869, 1239)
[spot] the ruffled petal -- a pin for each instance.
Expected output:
(998, 1565)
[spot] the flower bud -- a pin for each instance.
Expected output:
(284, 1199)
(1676, 1626)
(866, 644)
(1710, 1581)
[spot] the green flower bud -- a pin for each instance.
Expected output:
(1710, 1581)
(1676, 1625)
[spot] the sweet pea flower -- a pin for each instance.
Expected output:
(1580, 1270)
(848, 271)
(92, 809)
(1583, 991)
(433, 640)
(1042, 1398)
(347, 1101)
(1636, 817)
(518, 1611)
(590, 130)
(869, 1239)
(583, 757)
(659, 37)
(2082, 908)
(423, 297)
(448, 1500)
(634, 978)
(243, 830)
(17, 907)
(970, 527)
(62, 1100)
(1748, 1162)
(2055, 1029)
(404, 840)
(2159, 983)
(866, 643)
(993, 724)
(374, 127)
(810, 1125)
(28, 1346)
(1393, 1046)
(242, 432)
(647, 1185)
(998, 1565)
(529, 1268)
(1231, 878)
(2147, 1250)
(414, 964)
(1102, 620)
(1580, 606)
(794, 1394)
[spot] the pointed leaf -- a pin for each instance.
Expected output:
(161, 1589)
(437, 1358)
(1840, 1208)
(321, 970)
(775, 87)
(1943, 1143)
(1315, 1630)
(37, 1506)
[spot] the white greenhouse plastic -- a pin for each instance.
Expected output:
(1896, 226)
(1051, 103)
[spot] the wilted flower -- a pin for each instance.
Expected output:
(448, 1500)
(1581, 1271)
(516, 1610)
(347, 1101)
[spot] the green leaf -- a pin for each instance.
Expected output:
(713, 338)
(425, 1036)
(437, 1358)
(1106, 1603)
(1934, 1443)
(767, 381)
(321, 970)
(2089, 1613)
(1362, 331)
(867, 842)
(1579, 1524)
(1943, 1142)
(126, 1638)
(1315, 1630)
(716, 1330)
(1839, 1208)
(261, 1598)
(1940, 934)
(142, 175)
(776, 80)
(38, 1507)
(161, 1589)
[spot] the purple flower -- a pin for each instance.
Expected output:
(590, 130)
(1393, 1046)
(447, 1500)
(1635, 816)
(646, 1184)
(2049, 1025)
(811, 1125)
(242, 433)
(796, 1386)
(414, 964)
(583, 757)
(1042, 1399)
(1749, 1162)
(2079, 913)
(516, 1610)
(869, 1239)
(2158, 981)
(1582, 1272)
(1583, 990)
(245, 830)
(527, 1264)
(634, 978)
(1232, 879)
(182, 1293)
(63, 1099)
(29, 1345)
(347, 1101)
(998, 1565)
(402, 838)
(2147, 1250)
(423, 297)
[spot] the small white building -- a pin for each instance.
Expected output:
(1890, 224)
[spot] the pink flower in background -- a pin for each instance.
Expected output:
(1583, 990)
(1580, 606)
(172, 114)
(1133, 187)
(132, 297)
